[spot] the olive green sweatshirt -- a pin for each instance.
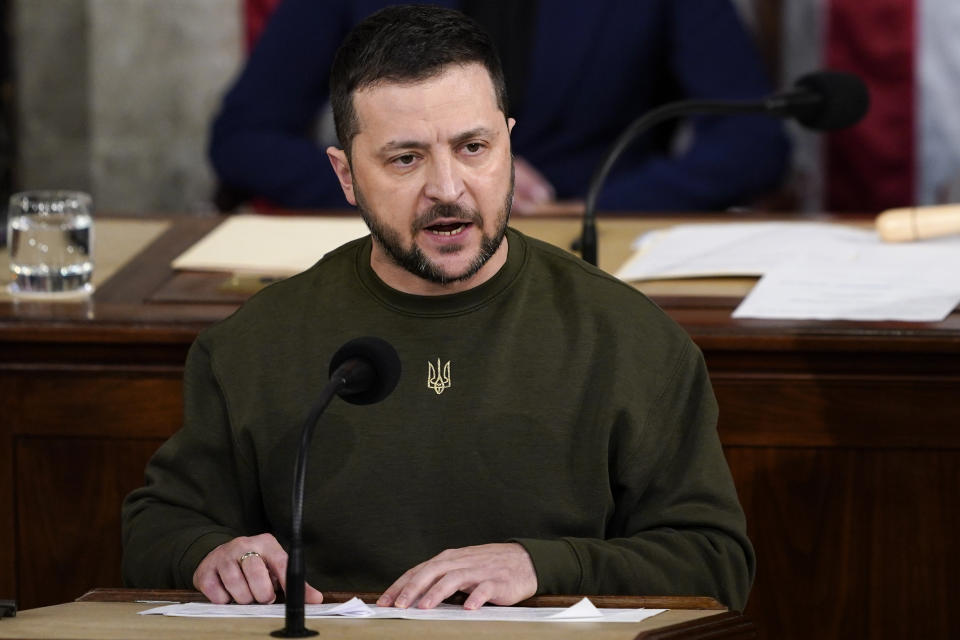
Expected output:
(552, 405)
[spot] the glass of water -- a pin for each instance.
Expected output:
(50, 236)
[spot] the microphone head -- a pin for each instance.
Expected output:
(371, 368)
(844, 100)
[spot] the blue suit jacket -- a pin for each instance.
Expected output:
(595, 67)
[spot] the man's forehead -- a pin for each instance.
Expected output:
(458, 93)
(472, 72)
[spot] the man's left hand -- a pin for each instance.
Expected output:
(497, 573)
(531, 190)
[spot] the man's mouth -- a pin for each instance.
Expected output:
(447, 228)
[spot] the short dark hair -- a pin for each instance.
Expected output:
(407, 43)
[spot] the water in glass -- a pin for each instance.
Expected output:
(50, 246)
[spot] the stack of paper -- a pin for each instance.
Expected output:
(269, 245)
(583, 611)
(810, 270)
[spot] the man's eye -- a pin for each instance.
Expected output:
(404, 160)
(473, 147)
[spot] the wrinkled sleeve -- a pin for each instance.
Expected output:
(730, 160)
(262, 141)
(200, 490)
(678, 527)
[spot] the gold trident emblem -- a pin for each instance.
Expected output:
(435, 379)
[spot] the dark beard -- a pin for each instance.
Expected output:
(413, 259)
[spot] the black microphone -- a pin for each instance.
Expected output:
(363, 371)
(822, 100)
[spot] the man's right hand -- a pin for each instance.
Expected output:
(223, 577)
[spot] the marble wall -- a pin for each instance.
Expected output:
(115, 97)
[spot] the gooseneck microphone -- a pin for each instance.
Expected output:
(823, 100)
(363, 371)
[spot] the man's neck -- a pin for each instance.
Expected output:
(396, 277)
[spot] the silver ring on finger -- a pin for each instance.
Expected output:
(248, 554)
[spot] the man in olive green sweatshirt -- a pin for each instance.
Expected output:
(552, 431)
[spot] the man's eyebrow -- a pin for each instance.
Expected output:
(476, 132)
(394, 145)
(420, 145)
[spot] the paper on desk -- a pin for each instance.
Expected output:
(737, 249)
(579, 611)
(353, 608)
(811, 271)
(269, 245)
(583, 611)
(910, 282)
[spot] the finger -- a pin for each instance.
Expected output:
(480, 595)
(257, 575)
(388, 598)
(275, 560)
(311, 595)
(526, 188)
(234, 581)
(207, 582)
(523, 206)
(538, 192)
(423, 581)
(530, 183)
(446, 586)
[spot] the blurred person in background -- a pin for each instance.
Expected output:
(577, 74)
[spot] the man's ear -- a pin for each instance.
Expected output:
(510, 123)
(341, 167)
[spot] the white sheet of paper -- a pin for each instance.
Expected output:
(737, 249)
(583, 611)
(909, 282)
(803, 293)
(269, 245)
(353, 608)
(811, 271)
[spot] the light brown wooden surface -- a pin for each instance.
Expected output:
(116, 242)
(615, 238)
(109, 620)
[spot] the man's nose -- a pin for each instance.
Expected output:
(444, 182)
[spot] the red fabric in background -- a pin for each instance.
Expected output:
(255, 15)
(872, 166)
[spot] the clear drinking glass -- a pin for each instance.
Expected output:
(50, 237)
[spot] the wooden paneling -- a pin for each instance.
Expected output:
(93, 402)
(8, 509)
(69, 493)
(852, 543)
(76, 438)
(844, 411)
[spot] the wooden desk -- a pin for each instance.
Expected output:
(103, 615)
(843, 438)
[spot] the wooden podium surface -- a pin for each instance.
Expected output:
(109, 614)
(843, 437)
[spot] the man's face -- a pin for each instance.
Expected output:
(431, 172)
